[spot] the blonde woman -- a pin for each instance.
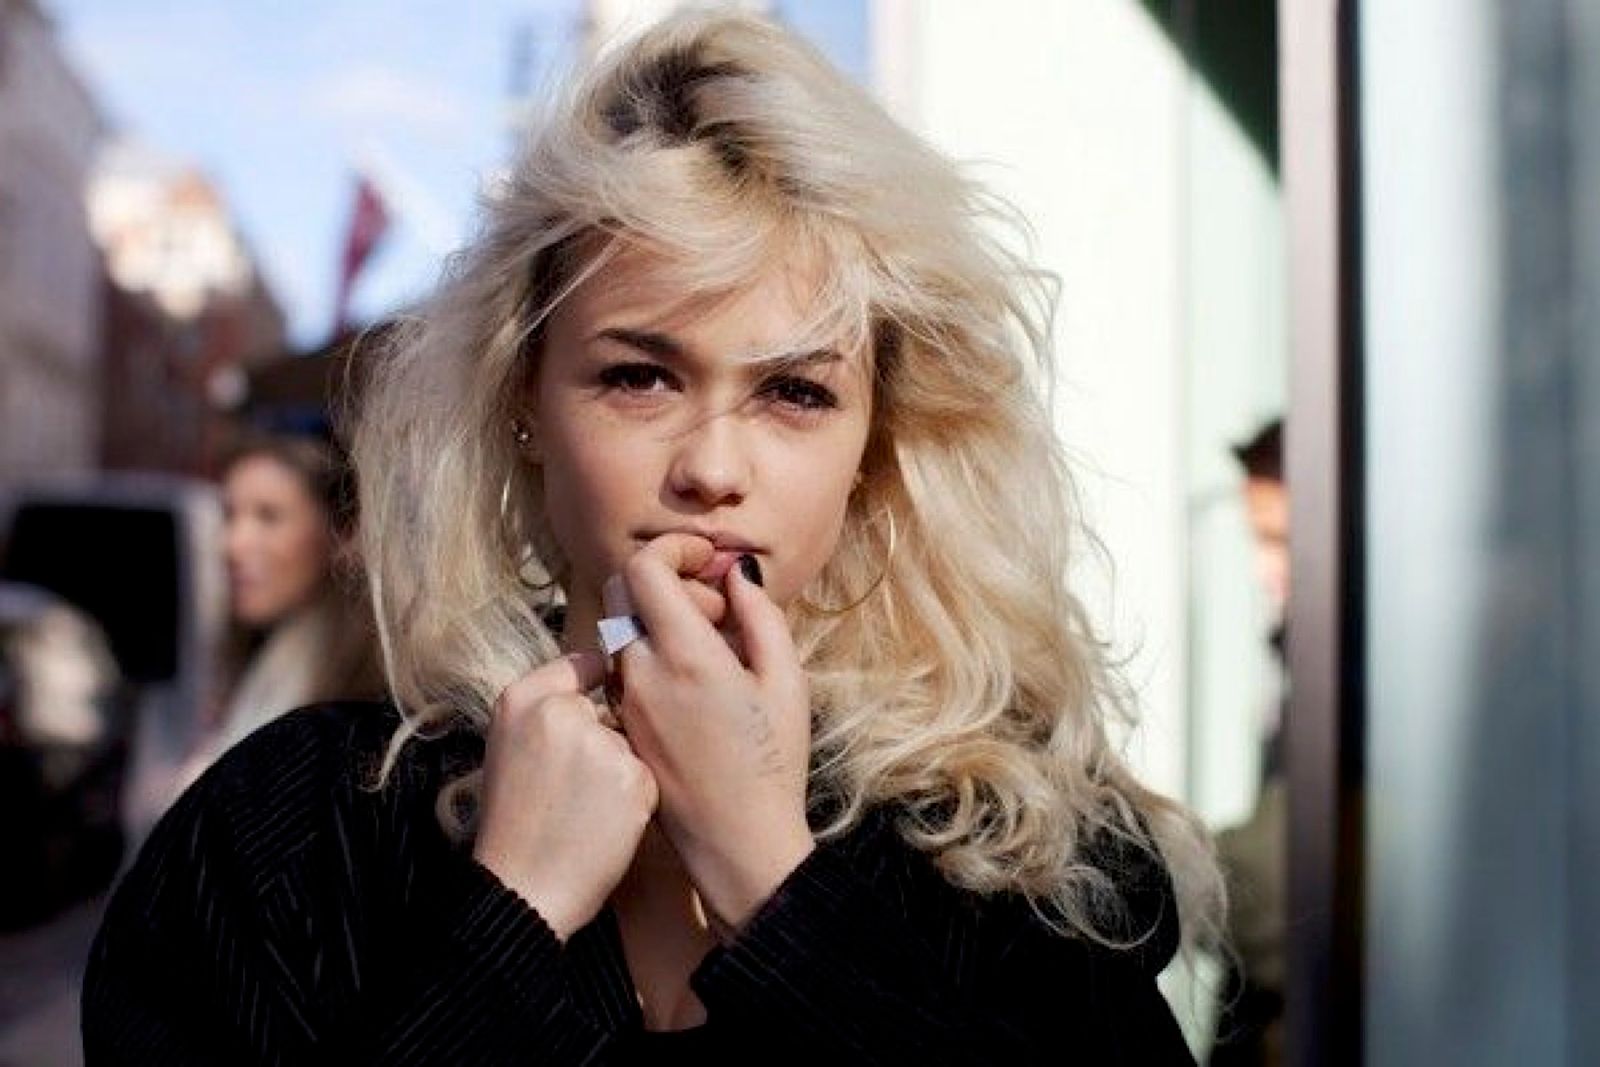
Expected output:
(728, 414)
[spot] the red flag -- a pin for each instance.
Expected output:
(367, 225)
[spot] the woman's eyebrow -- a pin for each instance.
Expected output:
(780, 362)
(660, 345)
(665, 346)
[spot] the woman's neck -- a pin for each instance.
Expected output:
(296, 616)
(579, 627)
(664, 933)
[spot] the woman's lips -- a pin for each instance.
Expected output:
(724, 557)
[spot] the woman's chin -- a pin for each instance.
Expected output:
(261, 616)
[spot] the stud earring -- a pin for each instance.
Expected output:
(526, 444)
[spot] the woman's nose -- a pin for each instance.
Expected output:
(237, 540)
(232, 539)
(711, 463)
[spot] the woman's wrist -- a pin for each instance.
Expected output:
(733, 888)
(547, 901)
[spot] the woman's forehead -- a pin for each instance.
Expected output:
(262, 467)
(266, 477)
(779, 308)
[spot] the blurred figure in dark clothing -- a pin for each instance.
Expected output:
(1266, 500)
(1253, 854)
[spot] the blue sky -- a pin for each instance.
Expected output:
(276, 102)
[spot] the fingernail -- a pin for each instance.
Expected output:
(750, 567)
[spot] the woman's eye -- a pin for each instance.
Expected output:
(635, 377)
(801, 393)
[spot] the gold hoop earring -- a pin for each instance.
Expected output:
(519, 552)
(888, 564)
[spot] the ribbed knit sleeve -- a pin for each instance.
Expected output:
(144, 993)
(493, 992)
(284, 913)
(849, 963)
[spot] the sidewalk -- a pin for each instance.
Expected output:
(39, 978)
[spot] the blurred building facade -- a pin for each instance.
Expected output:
(49, 268)
(186, 311)
(130, 306)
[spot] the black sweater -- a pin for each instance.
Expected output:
(285, 911)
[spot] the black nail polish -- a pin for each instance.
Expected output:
(750, 567)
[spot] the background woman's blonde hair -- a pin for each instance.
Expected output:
(969, 688)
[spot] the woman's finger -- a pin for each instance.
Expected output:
(710, 601)
(606, 717)
(576, 672)
(659, 594)
(767, 646)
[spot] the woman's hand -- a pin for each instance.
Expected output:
(565, 801)
(727, 740)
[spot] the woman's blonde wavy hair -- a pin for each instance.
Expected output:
(968, 689)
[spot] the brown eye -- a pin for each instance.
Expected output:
(801, 393)
(635, 377)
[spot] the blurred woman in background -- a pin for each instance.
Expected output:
(303, 631)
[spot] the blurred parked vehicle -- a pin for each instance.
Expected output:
(139, 556)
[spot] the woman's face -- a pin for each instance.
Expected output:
(278, 543)
(647, 420)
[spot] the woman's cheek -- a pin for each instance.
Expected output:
(803, 570)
